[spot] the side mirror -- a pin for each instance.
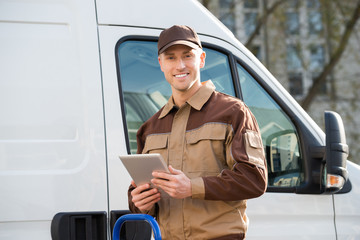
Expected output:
(336, 153)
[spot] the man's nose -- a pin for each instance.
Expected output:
(180, 64)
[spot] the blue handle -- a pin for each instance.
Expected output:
(136, 217)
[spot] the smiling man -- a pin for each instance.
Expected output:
(181, 65)
(212, 144)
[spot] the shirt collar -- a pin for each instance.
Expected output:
(197, 101)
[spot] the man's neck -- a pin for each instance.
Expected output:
(181, 97)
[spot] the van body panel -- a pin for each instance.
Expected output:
(37, 11)
(288, 216)
(52, 142)
(161, 14)
(347, 211)
(119, 180)
(62, 123)
(16, 230)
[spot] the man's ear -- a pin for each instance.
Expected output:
(160, 63)
(202, 59)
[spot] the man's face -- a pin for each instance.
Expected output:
(181, 66)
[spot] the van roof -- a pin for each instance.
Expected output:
(161, 14)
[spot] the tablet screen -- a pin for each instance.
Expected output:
(141, 166)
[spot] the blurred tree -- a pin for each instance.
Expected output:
(334, 56)
(311, 46)
(262, 21)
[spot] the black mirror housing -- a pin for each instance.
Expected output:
(336, 152)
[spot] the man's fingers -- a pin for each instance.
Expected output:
(162, 175)
(143, 192)
(145, 197)
(176, 184)
(148, 201)
(140, 189)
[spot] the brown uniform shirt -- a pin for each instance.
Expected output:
(215, 140)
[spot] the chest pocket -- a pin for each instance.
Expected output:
(205, 149)
(157, 144)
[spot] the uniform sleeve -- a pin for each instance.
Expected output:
(247, 178)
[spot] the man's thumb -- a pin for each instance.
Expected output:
(174, 171)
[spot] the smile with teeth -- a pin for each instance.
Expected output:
(181, 75)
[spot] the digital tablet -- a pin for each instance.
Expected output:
(141, 166)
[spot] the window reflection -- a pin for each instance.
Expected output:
(251, 3)
(278, 133)
(293, 58)
(296, 84)
(292, 23)
(251, 14)
(227, 13)
(317, 57)
(315, 22)
(250, 22)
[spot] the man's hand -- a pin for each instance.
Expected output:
(176, 184)
(144, 197)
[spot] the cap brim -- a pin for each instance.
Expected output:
(178, 42)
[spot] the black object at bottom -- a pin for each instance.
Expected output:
(79, 226)
(135, 230)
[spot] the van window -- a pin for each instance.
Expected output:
(144, 87)
(280, 138)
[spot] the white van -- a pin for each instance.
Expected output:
(77, 79)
